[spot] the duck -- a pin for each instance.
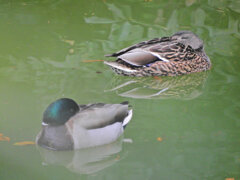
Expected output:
(69, 126)
(179, 54)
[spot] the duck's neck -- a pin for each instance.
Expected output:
(55, 137)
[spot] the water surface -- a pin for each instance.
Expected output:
(42, 51)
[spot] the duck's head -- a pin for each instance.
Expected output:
(189, 39)
(59, 112)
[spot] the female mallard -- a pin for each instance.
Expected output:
(181, 53)
(67, 126)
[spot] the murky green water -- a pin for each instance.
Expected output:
(43, 45)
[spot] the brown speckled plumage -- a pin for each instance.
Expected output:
(182, 53)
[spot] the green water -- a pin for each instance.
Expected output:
(43, 45)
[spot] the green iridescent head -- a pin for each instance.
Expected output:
(60, 111)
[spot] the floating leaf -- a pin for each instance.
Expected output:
(157, 78)
(87, 61)
(24, 143)
(159, 139)
(4, 138)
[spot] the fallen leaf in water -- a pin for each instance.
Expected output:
(159, 139)
(157, 78)
(4, 138)
(23, 143)
(229, 179)
(86, 61)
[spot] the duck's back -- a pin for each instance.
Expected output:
(98, 124)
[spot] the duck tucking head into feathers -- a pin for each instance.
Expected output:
(181, 53)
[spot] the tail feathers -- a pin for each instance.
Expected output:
(119, 66)
(128, 118)
(124, 103)
(110, 55)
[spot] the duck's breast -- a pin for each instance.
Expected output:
(55, 138)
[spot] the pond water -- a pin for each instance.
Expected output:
(182, 128)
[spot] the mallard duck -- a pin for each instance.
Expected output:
(67, 125)
(181, 53)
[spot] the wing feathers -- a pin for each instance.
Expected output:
(138, 45)
(128, 118)
(101, 115)
(138, 58)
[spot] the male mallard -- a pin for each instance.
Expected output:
(67, 125)
(181, 53)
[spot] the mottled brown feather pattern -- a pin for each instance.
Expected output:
(176, 56)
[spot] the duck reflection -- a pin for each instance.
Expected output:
(85, 161)
(179, 87)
